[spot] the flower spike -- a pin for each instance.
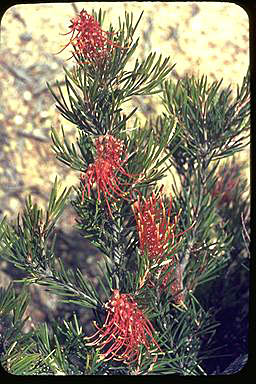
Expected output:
(88, 38)
(126, 328)
(157, 236)
(153, 225)
(108, 163)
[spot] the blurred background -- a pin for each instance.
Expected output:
(200, 38)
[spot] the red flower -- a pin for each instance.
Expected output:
(157, 236)
(88, 39)
(104, 170)
(125, 329)
(156, 233)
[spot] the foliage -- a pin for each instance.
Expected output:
(171, 291)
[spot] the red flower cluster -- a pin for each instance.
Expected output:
(153, 225)
(104, 170)
(125, 329)
(157, 237)
(88, 39)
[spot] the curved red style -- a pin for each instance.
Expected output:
(126, 328)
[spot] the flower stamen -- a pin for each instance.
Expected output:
(126, 328)
(88, 39)
(105, 169)
(157, 236)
